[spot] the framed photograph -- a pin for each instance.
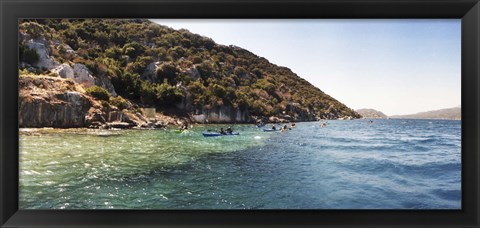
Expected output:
(239, 113)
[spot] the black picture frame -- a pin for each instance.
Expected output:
(12, 10)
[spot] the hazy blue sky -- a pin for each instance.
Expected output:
(394, 66)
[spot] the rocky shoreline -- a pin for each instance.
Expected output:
(46, 101)
(55, 102)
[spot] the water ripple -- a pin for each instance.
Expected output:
(393, 164)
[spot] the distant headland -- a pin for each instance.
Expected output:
(446, 114)
(454, 113)
(371, 113)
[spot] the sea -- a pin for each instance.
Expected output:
(349, 164)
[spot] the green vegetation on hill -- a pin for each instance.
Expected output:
(153, 65)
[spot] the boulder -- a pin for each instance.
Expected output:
(82, 75)
(41, 46)
(64, 71)
(151, 71)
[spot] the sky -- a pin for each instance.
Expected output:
(394, 66)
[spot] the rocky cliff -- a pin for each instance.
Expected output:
(223, 114)
(46, 101)
(51, 102)
(141, 64)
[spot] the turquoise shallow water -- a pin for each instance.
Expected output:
(393, 164)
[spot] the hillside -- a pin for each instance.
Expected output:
(137, 64)
(371, 113)
(447, 113)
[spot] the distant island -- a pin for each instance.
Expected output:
(371, 113)
(95, 72)
(447, 114)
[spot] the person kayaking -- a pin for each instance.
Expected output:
(292, 124)
(284, 128)
(260, 123)
(229, 130)
(222, 131)
(273, 127)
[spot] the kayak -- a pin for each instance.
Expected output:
(270, 130)
(214, 134)
(179, 131)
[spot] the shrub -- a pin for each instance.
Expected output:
(139, 65)
(160, 53)
(101, 37)
(147, 93)
(168, 94)
(186, 43)
(176, 52)
(98, 92)
(217, 90)
(197, 59)
(113, 52)
(167, 72)
(23, 72)
(265, 85)
(197, 90)
(83, 33)
(127, 84)
(205, 70)
(240, 71)
(117, 37)
(119, 102)
(105, 103)
(34, 29)
(71, 38)
(257, 72)
(208, 43)
(52, 74)
(133, 49)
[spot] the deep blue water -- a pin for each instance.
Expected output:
(387, 164)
